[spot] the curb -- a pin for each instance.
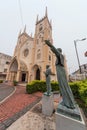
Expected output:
(8, 96)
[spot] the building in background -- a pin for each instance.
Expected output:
(31, 54)
(4, 63)
(79, 76)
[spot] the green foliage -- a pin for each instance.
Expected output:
(36, 85)
(55, 86)
(79, 90)
(39, 85)
(15, 82)
(1, 81)
(83, 91)
(75, 89)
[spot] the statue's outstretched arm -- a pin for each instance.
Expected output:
(54, 50)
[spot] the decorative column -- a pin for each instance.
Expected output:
(18, 75)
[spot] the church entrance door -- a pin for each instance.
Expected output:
(23, 77)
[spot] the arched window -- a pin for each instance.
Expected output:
(38, 54)
(49, 58)
(26, 52)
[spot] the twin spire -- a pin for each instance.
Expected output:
(46, 15)
(24, 31)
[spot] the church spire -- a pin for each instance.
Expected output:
(19, 33)
(25, 29)
(46, 14)
(37, 19)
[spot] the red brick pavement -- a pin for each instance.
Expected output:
(17, 102)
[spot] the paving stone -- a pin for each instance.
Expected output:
(16, 103)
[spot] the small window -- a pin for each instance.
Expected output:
(7, 62)
(40, 27)
(26, 52)
(49, 58)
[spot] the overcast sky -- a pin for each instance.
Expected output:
(69, 22)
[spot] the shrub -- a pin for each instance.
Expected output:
(36, 85)
(75, 89)
(55, 86)
(39, 85)
(1, 81)
(83, 91)
(15, 82)
(79, 90)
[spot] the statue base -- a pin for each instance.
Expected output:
(69, 119)
(47, 104)
(73, 113)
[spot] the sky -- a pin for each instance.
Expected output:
(69, 23)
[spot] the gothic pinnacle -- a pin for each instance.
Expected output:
(37, 19)
(46, 12)
(25, 29)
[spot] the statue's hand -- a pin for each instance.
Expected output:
(48, 43)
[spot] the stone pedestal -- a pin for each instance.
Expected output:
(65, 122)
(47, 104)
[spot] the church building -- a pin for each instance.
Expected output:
(31, 54)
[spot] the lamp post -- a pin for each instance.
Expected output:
(75, 41)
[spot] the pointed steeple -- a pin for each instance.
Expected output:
(25, 29)
(46, 12)
(37, 19)
(19, 33)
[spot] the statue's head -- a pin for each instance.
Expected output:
(59, 49)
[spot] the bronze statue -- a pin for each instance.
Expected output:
(68, 99)
(48, 84)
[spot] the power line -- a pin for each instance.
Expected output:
(20, 9)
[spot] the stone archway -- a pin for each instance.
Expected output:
(24, 72)
(13, 70)
(36, 72)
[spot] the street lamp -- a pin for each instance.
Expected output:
(75, 41)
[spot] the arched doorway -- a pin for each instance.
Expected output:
(13, 70)
(23, 79)
(38, 74)
(24, 72)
